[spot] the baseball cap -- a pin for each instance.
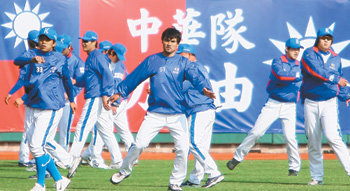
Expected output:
(66, 40)
(33, 35)
(324, 32)
(89, 36)
(120, 50)
(60, 46)
(185, 48)
(293, 43)
(49, 32)
(105, 45)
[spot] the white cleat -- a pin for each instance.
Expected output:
(95, 164)
(38, 187)
(315, 182)
(73, 168)
(62, 184)
(118, 177)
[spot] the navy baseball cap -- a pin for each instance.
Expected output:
(89, 36)
(33, 36)
(66, 40)
(49, 32)
(324, 32)
(105, 45)
(120, 50)
(293, 43)
(185, 48)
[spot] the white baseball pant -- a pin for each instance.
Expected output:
(64, 126)
(120, 120)
(323, 115)
(24, 147)
(95, 148)
(150, 127)
(273, 110)
(200, 128)
(94, 113)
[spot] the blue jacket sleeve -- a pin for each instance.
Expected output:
(311, 64)
(24, 59)
(141, 73)
(198, 77)
(67, 82)
(106, 74)
(20, 82)
(344, 93)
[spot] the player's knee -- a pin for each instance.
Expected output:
(36, 151)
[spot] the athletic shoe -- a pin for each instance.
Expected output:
(174, 187)
(25, 164)
(35, 176)
(38, 187)
(212, 181)
(73, 168)
(116, 165)
(85, 160)
(315, 182)
(62, 184)
(136, 162)
(95, 164)
(232, 164)
(189, 184)
(292, 172)
(60, 165)
(118, 177)
(31, 169)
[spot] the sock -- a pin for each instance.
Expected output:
(41, 165)
(52, 169)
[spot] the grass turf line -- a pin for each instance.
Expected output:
(154, 175)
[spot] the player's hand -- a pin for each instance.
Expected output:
(347, 102)
(113, 98)
(38, 59)
(209, 93)
(114, 110)
(74, 81)
(342, 82)
(148, 90)
(73, 106)
(18, 102)
(65, 96)
(7, 98)
(105, 103)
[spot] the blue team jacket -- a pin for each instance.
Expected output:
(97, 78)
(46, 83)
(119, 73)
(320, 80)
(76, 71)
(166, 82)
(285, 80)
(195, 100)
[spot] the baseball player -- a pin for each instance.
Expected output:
(283, 89)
(322, 84)
(104, 46)
(167, 71)
(201, 117)
(46, 80)
(33, 42)
(98, 83)
(76, 70)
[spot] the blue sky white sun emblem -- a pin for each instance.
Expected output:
(23, 21)
(308, 40)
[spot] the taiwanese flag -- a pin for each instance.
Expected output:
(119, 21)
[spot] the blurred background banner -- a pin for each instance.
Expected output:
(235, 39)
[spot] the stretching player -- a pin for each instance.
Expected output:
(283, 89)
(98, 83)
(33, 42)
(167, 71)
(201, 117)
(322, 80)
(46, 80)
(76, 70)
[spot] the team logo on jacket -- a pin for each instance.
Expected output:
(176, 70)
(308, 40)
(53, 69)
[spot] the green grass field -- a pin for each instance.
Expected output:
(154, 175)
